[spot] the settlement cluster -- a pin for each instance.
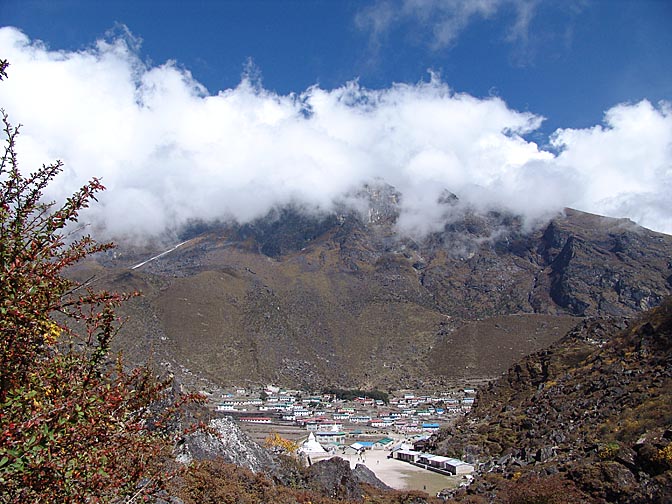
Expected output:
(400, 425)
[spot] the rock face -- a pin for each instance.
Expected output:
(345, 299)
(594, 409)
(363, 474)
(596, 273)
(334, 478)
(227, 442)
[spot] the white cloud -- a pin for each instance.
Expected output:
(441, 22)
(625, 165)
(448, 18)
(169, 152)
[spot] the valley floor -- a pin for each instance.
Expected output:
(395, 473)
(398, 474)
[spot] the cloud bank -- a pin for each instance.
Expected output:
(170, 151)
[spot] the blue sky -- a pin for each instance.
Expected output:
(570, 62)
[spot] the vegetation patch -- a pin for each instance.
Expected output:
(351, 394)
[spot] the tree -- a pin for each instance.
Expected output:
(75, 424)
(278, 444)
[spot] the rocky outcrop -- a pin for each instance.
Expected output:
(594, 409)
(224, 440)
(604, 266)
(363, 474)
(286, 230)
(334, 478)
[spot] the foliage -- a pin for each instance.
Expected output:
(350, 394)
(216, 482)
(608, 451)
(664, 456)
(75, 425)
(279, 444)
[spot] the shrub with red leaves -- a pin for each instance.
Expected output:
(75, 425)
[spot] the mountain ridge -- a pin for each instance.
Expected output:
(342, 299)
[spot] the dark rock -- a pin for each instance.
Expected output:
(363, 474)
(649, 460)
(545, 454)
(504, 460)
(286, 230)
(334, 478)
(608, 481)
(656, 490)
(551, 470)
(627, 456)
(163, 498)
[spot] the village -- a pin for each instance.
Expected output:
(386, 432)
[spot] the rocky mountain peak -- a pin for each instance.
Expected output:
(382, 201)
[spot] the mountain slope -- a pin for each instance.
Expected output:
(343, 299)
(595, 408)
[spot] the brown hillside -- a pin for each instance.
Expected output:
(595, 409)
(336, 299)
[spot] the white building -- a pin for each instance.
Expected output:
(310, 446)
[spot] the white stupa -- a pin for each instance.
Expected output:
(311, 446)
